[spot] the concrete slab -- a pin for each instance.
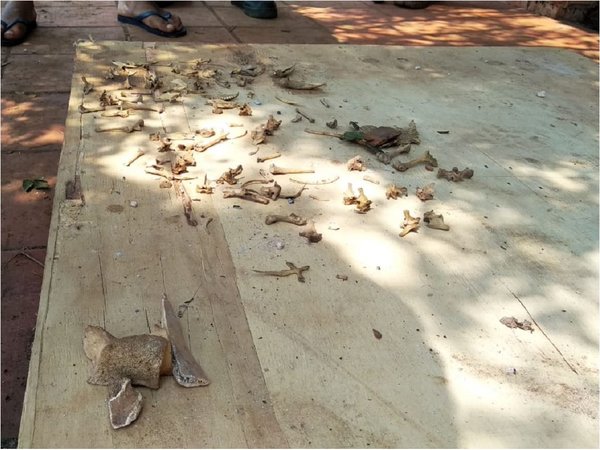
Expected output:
(58, 70)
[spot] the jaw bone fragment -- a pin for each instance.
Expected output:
(138, 358)
(124, 403)
(292, 218)
(293, 270)
(410, 223)
(455, 174)
(435, 221)
(425, 158)
(186, 370)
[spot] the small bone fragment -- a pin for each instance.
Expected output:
(206, 132)
(370, 179)
(286, 72)
(426, 192)
(186, 370)
(267, 157)
(333, 124)
(455, 174)
(116, 113)
(178, 165)
(165, 184)
(142, 107)
(324, 103)
(426, 158)
(230, 175)
(186, 202)
(393, 192)
(435, 221)
(310, 233)
(386, 157)
(512, 322)
(138, 358)
(205, 188)
(246, 194)
(124, 403)
(291, 218)
(356, 163)
(165, 144)
(139, 153)
(316, 183)
(342, 277)
(349, 195)
(410, 223)
(297, 119)
(363, 204)
(299, 85)
(126, 128)
(87, 87)
(310, 119)
(157, 170)
(271, 192)
(84, 109)
(245, 110)
(285, 171)
(107, 100)
(293, 270)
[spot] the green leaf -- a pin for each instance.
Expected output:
(352, 136)
(28, 185)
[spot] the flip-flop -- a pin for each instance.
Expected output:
(30, 25)
(137, 21)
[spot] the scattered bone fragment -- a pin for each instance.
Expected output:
(426, 192)
(455, 174)
(356, 163)
(230, 175)
(377, 334)
(332, 124)
(297, 119)
(293, 270)
(186, 201)
(85, 109)
(299, 85)
(393, 192)
(363, 204)
(275, 170)
(141, 107)
(165, 184)
(324, 103)
(87, 87)
(161, 172)
(206, 132)
(512, 322)
(138, 358)
(246, 194)
(287, 102)
(137, 155)
(283, 73)
(349, 195)
(165, 144)
(316, 182)
(222, 136)
(370, 179)
(293, 196)
(291, 218)
(410, 223)
(107, 100)
(310, 233)
(137, 126)
(186, 370)
(178, 165)
(259, 134)
(386, 157)
(205, 188)
(116, 113)
(272, 192)
(124, 403)
(245, 110)
(134, 203)
(268, 157)
(425, 158)
(435, 221)
(306, 116)
(342, 277)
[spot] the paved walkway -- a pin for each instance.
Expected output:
(36, 81)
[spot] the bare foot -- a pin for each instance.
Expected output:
(15, 10)
(134, 8)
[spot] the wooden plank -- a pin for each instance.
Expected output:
(297, 364)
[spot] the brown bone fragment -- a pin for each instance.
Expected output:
(410, 223)
(455, 174)
(230, 175)
(137, 126)
(293, 270)
(425, 158)
(85, 110)
(306, 116)
(291, 218)
(435, 221)
(386, 157)
(268, 157)
(141, 107)
(124, 403)
(138, 154)
(393, 192)
(356, 163)
(363, 204)
(186, 370)
(246, 194)
(272, 192)
(138, 358)
(426, 192)
(299, 85)
(349, 196)
(310, 233)
(116, 113)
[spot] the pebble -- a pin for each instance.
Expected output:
(133, 203)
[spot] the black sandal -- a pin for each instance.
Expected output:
(30, 25)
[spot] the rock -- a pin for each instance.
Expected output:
(124, 403)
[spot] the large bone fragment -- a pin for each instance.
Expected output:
(138, 358)
(124, 403)
(186, 370)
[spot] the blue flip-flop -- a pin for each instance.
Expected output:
(137, 21)
(30, 25)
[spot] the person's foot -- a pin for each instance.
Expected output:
(21, 15)
(258, 10)
(162, 21)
